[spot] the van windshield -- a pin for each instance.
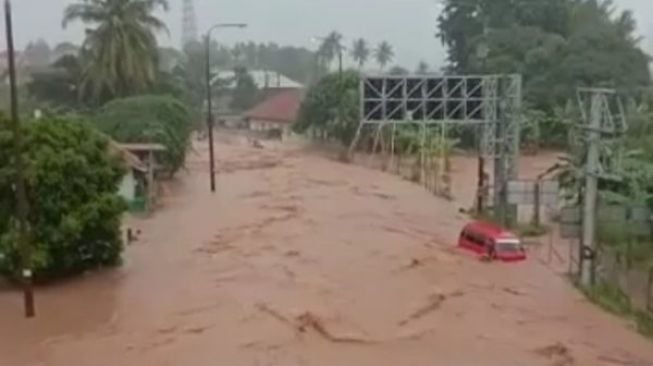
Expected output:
(509, 246)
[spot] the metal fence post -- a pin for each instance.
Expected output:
(537, 203)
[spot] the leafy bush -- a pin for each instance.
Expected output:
(74, 210)
(149, 119)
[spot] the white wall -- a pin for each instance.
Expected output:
(128, 187)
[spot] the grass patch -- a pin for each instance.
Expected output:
(615, 301)
(610, 298)
(644, 321)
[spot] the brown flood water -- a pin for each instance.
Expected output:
(301, 260)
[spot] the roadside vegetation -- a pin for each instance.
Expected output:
(615, 301)
(74, 209)
(149, 119)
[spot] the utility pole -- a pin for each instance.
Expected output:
(209, 94)
(482, 53)
(21, 196)
(591, 190)
(603, 124)
(209, 113)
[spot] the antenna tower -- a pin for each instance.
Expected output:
(189, 23)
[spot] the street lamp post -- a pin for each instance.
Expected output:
(21, 196)
(209, 93)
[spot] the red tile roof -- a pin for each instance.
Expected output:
(282, 106)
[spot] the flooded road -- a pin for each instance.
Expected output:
(301, 260)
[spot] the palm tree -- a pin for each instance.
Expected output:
(384, 54)
(119, 53)
(360, 52)
(331, 47)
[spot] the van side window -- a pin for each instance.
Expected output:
(475, 238)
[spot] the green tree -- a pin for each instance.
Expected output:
(360, 52)
(384, 54)
(75, 213)
(120, 50)
(245, 93)
(398, 70)
(57, 86)
(38, 54)
(331, 47)
(557, 46)
(330, 108)
(149, 119)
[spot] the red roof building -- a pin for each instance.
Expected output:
(276, 113)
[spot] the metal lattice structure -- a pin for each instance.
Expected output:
(604, 108)
(597, 136)
(189, 23)
(490, 103)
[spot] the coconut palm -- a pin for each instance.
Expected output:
(360, 52)
(331, 47)
(119, 53)
(384, 54)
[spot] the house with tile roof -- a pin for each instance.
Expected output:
(276, 113)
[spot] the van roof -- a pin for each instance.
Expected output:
(492, 230)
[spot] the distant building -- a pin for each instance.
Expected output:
(276, 114)
(264, 80)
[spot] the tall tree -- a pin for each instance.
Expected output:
(120, 50)
(245, 92)
(360, 52)
(384, 54)
(331, 47)
(557, 46)
(57, 85)
(38, 54)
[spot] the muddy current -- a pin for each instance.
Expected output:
(301, 260)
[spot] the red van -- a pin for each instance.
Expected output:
(492, 241)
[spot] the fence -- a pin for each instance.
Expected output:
(624, 258)
(633, 280)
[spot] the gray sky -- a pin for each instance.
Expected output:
(408, 24)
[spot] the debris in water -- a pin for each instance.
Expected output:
(558, 353)
(434, 303)
(309, 321)
(513, 291)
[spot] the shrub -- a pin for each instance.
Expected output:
(74, 210)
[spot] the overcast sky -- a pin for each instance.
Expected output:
(408, 24)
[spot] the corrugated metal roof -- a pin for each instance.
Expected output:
(263, 79)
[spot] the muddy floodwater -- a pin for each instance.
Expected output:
(301, 260)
